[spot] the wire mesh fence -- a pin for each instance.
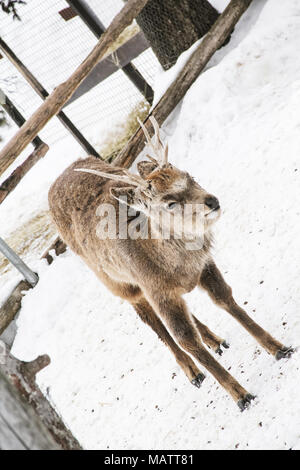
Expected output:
(172, 27)
(51, 47)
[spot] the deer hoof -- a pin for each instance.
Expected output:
(198, 380)
(219, 350)
(244, 403)
(284, 353)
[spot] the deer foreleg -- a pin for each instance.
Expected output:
(221, 293)
(174, 312)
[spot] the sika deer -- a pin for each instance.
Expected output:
(153, 273)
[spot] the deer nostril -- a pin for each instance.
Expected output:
(212, 202)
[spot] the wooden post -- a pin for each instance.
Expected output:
(27, 420)
(12, 304)
(54, 103)
(196, 63)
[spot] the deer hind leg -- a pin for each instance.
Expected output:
(209, 338)
(212, 281)
(147, 314)
(174, 312)
(134, 295)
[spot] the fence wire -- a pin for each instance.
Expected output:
(52, 48)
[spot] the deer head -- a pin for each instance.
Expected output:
(162, 189)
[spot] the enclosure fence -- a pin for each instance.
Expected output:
(52, 52)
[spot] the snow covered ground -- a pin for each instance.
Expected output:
(116, 386)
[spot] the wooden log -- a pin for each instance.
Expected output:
(53, 104)
(27, 420)
(14, 179)
(196, 63)
(12, 304)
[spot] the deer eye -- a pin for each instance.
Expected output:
(172, 205)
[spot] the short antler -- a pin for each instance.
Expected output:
(159, 150)
(127, 177)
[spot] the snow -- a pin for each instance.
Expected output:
(115, 384)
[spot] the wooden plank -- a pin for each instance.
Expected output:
(63, 92)
(67, 13)
(9, 334)
(122, 56)
(8, 438)
(20, 428)
(14, 179)
(28, 419)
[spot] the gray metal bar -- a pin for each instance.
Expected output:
(29, 275)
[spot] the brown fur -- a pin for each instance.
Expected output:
(153, 274)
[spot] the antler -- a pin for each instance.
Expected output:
(159, 150)
(129, 178)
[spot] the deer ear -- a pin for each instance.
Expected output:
(145, 168)
(125, 194)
